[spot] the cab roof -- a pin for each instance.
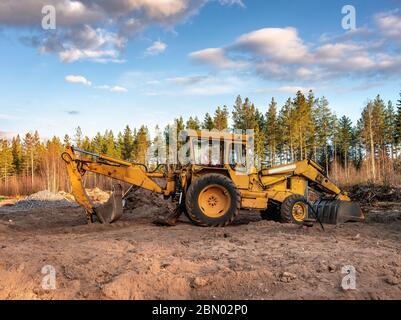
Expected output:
(217, 135)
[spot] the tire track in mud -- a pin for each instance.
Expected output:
(251, 259)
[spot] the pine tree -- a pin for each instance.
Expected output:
(250, 120)
(220, 118)
(324, 128)
(310, 134)
(120, 145)
(86, 144)
(179, 123)
(345, 137)
(6, 162)
(368, 122)
(142, 144)
(208, 123)
(17, 152)
(78, 137)
(271, 132)
(286, 122)
(97, 143)
(30, 148)
(67, 140)
(379, 110)
(300, 123)
(390, 128)
(109, 144)
(398, 123)
(303, 123)
(127, 144)
(238, 113)
(359, 144)
(193, 124)
(159, 147)
(53, 165)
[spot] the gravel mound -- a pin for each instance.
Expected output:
(42, 199)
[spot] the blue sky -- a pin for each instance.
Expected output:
(113, 63)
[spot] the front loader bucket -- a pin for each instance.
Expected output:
(112, 210)
(336, 211)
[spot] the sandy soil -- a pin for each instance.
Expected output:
(253, 259)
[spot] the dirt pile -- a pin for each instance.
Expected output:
(97, 195)
(143, 200)
(370, 194)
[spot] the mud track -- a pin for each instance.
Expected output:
(252, 259)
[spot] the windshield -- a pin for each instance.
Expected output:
(208, 152)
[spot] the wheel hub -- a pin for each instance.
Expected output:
(299, 211)
(214, 201)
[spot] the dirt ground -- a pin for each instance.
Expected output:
(252, 259)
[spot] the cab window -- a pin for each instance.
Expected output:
(237, 155)
(208, 152)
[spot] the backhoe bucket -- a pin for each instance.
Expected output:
(112, 210)
(336, 211)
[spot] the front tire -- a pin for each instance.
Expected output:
(294, 209)
(212, 201)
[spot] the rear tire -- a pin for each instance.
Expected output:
(212, 201)
(294, 209)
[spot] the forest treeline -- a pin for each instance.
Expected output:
(304, 127)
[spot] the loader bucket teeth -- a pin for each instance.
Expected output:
(336, 211)
(112, 210)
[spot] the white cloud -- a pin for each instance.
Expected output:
(293, 89)
(187, 80)
(82, 80)
(201, 85)
(117, 89)
(389, 24)
(84, 43)
(96, 55)
(156, 48)
(163, 83)
(279, 44)
(215, 57)
(232, 2)
(286, 89)
(281, 54)
(78, 79)
(76, 39)
(304, 73)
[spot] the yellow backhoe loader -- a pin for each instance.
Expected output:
(213, 186)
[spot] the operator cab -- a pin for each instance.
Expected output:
(218, 149)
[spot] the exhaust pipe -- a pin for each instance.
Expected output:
(112, 210)
(337, 211)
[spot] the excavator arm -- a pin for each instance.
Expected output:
(134, 174)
